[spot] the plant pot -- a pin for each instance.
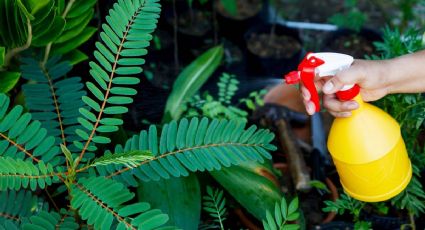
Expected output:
(233, 27)
(335, 225)
(352, 43)
(194, 28)
(273, 54)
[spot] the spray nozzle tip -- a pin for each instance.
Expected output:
(292, 77)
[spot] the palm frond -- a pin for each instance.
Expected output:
(105, 209)
(192, 146)
(215, 205)
(16, 206)
(50, 221)
(53, 99)
(118, 58)
(18, 174)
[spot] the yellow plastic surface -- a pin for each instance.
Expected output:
(369, 154)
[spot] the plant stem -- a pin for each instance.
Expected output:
(15, 51)
(49, 45)
(176, 46)
(412, 220)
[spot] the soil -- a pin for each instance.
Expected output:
(246, 9)
(281, 47)
(194, 22)
(353, 45)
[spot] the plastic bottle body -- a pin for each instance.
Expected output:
(369, 154)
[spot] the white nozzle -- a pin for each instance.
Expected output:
(334, 62)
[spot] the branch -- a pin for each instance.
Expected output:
(22, 149)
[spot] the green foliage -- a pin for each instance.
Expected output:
(409, 111)
(118, 56)
(104, 209)
(190, 146)
(190, 81)
(230, 6)
(50, 221)
(179, 197)
(129, 159)
(215, 205)
(283, 213)
(16, 206)
(21, 138)
(352, 18)
(8, 80)
(48, 95)
(207, 105)
(363, 225)
(343, 204)
(250, 186)
(413, 197)
(8, 225)
(18, 174)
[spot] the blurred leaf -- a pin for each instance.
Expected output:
(191, 80)
(54, 31)
(249, 187)
(8, 80)
(75, 56)
(230, 6)
(75, 42)
(2, 53)
(179, 197)
(36, 5)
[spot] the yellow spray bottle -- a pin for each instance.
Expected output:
(367, 148)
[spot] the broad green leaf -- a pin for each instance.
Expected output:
(54, 32)
(191, 80)
(75, 42)
(179, 197)
(2, 53)
(252, 190)
(35, 5)
(8, 80)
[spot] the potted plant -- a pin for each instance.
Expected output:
(351, 37)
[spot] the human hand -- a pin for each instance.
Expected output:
(369, 75)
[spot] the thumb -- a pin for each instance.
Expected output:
(345, 77)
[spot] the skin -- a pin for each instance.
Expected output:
(378, 78)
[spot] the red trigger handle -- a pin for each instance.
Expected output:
(306, 73)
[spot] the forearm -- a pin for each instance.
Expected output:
(406, 74)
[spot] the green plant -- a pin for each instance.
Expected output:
(215, 206)
(353, 206)
(56, 27)
(409, 111)
(283, 214)
(221, 107)
(63, 152)
(352, 18)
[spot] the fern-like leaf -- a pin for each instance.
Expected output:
(53, 99)
(16, 206)
(17, 174)
(129, 159)
(50, 221)
(118, 58)
(8, 225)
(283, 213)
(192, 146)
(227, 87)
(214, 204)
(21, 138)
(107, 210)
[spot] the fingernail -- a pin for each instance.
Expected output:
(310, 108)
(328, 87)
(352, 105)
(306, 96)
(345, 114)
